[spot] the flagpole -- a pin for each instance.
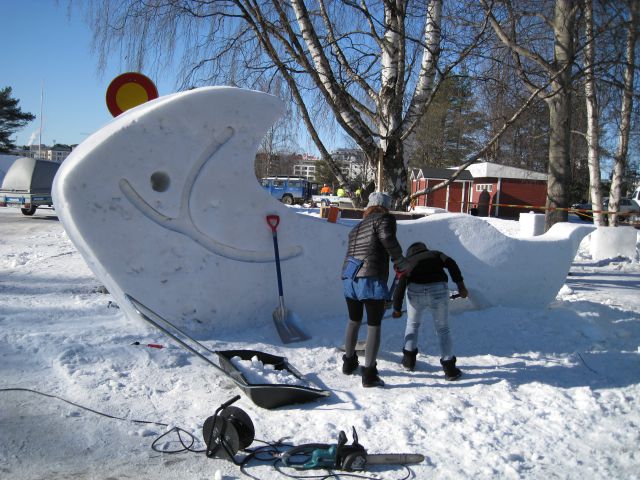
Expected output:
(40, 133)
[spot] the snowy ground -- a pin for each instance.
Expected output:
(550, 393)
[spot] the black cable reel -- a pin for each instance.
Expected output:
(228, 431)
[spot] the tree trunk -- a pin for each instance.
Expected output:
(395, 173)
(559, 161)
(625, 115)
(390, 103)
(560, 116)
(593, 125)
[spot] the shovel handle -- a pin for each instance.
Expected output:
(273, 221)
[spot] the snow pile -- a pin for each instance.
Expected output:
(256, 372)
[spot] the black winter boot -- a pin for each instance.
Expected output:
(409, 359)
(349, 364)
(370, 377)
(451, 372)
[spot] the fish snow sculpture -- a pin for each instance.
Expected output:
(164, 206)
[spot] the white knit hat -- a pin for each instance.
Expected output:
(379, 198)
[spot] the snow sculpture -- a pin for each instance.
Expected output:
(163, 204)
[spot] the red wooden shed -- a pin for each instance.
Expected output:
(454, 198)
(494, 190)
(508, 189)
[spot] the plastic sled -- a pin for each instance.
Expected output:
(268, 395)
(265, 395)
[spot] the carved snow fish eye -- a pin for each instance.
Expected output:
(160, 181)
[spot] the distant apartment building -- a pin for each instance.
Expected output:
(353, 163)
(57, 153)
(306, 167)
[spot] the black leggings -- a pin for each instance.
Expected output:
(375, 310)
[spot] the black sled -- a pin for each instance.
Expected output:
(265, 395)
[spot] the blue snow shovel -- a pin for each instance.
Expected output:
(287, 323)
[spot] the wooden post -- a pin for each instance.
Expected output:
(380, 176)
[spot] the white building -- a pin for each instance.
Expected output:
(306, 167)
(57, 153)
(352, 163)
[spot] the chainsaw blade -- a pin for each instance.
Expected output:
(394, 458)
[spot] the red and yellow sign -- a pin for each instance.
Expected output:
(129, 90)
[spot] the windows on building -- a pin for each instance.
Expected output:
(484, 186)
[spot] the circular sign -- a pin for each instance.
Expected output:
(129, 90)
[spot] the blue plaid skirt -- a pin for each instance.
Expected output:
(365, 288)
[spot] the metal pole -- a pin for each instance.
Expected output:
(40, 133)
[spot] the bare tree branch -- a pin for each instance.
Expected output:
(473, 158)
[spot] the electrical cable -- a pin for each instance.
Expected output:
(273, 450)
(178, 430)
(147, 422)
(185, 447)
(340, 474)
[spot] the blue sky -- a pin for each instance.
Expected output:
(44, 45)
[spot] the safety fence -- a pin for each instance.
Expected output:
(631, 218)
(560, 209)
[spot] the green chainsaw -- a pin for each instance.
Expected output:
(350, 458)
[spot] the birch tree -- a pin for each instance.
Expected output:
(534, 67)
(593, 125)
(368, 68)
(625, 110)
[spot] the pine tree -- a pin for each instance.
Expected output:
(324, 174)
(450, 129)
(12, 118)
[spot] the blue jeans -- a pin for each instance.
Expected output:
(434, 298)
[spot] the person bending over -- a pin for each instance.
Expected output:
(426, 287)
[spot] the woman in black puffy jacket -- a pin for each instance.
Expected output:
(364, 276)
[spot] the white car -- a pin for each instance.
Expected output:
(326, 200)
(626, 206)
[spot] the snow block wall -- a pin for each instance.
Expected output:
(164, 205)
(497, 269)
(612, 242)
(531, 224)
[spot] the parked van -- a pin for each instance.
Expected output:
(288, 190)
